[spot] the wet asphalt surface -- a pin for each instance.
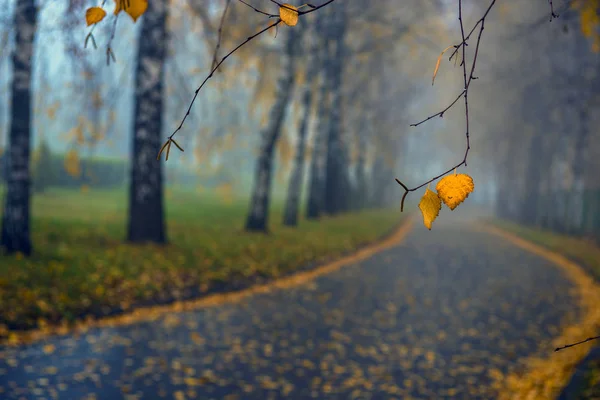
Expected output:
(442, 315)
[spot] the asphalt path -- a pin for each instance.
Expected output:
(445, 313)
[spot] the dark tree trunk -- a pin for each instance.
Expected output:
(360, 181)
(15, 235)
(345, 193)
(290, 216)
(314, 206)
(336, 169)
(529, 208)
(258, 215)
(377, 183)
(146, 208)
(503, 194)
(579, 160)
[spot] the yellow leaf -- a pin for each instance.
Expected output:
(454, 189)
(135, 8)
(437, 64)
(288, 14)
(72, 165)
(430, 206)
(49, 348)
(93, 15)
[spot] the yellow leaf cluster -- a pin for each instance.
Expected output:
(72, 164)
(93, 15)
(452, 190)
(288, 14)
(135, 8)
(589, 20)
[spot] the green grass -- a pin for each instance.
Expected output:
(581, 250)
(82, 267)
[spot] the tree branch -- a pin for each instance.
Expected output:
(577, 343)
(167, 145)
(465, 92)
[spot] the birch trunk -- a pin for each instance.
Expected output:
(15, 236)
(290, 216)
(258, 217)
(146, 209)
(314, 206)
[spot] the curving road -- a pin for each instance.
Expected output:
(444, 314)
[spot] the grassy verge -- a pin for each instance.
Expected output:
(585, 253)
(82, 268)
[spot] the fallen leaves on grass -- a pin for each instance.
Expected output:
(81, 267)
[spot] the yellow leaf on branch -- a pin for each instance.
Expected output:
(93, 15)
(135, 8)
(288, 14)
(437, 64)
(454, 189)
(430, 206)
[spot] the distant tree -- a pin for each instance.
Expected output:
(43, 174)
(290, 216)
(15, 235)
(259, 204)
(336, 168)
(316, 182)
(3, 166)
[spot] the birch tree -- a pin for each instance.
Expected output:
(15, 236)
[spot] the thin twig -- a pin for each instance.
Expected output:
(109, 53)
(167, 145)
(440, 113)
(464, 42)
(552, 13)
(577, 343)
(248, 39)
(257, 10)
(219, 35)
(464, 93)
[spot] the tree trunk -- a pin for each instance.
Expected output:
(314, 206)
(378, 185)
(529, 207)
(15, 219)
(290, 216)
(259, 205)
(146, 204)
(360, 169)
(335, 167)
(579, 164)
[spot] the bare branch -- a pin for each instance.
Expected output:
(467, 79)
(577, 343)
(552, 13)
(167, 145)
(219, 34)
(257, 10)
(170, 139)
